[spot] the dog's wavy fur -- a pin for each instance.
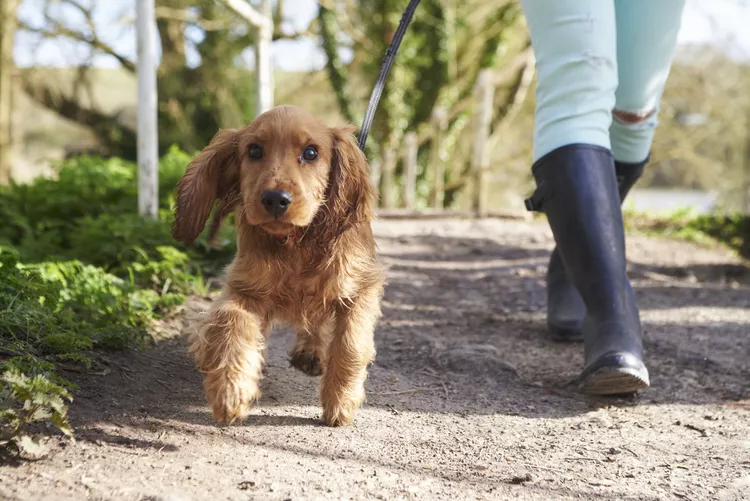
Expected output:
(314, 268)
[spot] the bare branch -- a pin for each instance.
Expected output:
(187, 16)
(357, 35)
(249, 14)
(309, 31)
(58, 30)
(86, 14)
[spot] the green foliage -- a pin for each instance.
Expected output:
(81, 272)
(338, 73)
(418, 74)
(64, 310)
(730, 230)
(442, 53)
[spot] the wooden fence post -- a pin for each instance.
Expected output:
(388, 166)
(375, 170)
(439, 126)
(411, 147)
(148, 132)
(484, 99)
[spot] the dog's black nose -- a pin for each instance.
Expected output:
(276, 202)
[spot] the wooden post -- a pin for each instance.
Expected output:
(263, 66)
(411, 148)
(388, 184)
(484, 98)
(148, 139)
(388, 175)
(375, 169)
(439, 126)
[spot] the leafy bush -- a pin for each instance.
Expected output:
(81, 272)
(730, 230)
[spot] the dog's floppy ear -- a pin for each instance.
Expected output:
(213, 174)
(349, 195)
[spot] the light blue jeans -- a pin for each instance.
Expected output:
(601, 68)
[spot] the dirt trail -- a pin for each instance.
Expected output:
(467, 398)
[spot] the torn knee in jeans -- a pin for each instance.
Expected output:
(597, 60)
(631, 117)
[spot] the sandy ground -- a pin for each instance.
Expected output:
(467, 398)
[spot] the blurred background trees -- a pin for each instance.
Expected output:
(194, 99)
(206, 82)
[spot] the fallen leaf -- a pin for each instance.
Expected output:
(31, 446)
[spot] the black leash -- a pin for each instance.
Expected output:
(390, 55)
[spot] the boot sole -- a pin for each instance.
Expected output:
(615, 381)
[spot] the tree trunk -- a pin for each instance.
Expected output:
(8, 24)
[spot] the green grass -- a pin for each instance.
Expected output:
(732, 231)
(80, 274)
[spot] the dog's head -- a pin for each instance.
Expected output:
(286, 173)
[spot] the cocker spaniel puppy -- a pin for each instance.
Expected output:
(306, 257)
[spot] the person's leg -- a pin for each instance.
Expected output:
(574, 44)
(575, 47)
(646, 39)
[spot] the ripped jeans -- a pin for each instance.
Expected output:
(601, 68)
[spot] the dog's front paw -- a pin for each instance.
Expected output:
(230, 398)
(339, 410)
(338, 416)
(306, 362)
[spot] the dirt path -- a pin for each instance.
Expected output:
(467, 398)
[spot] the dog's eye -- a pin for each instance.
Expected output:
(256, 152)
(310, 153)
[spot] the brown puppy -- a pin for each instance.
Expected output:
(305, 256)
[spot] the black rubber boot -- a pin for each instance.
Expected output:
(565, 308)
(577, 190)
